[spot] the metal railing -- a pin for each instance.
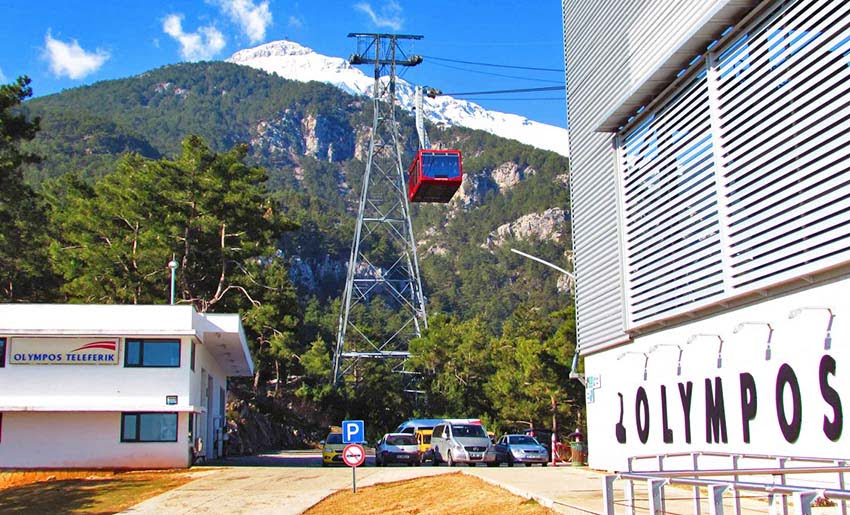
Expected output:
(776, 490)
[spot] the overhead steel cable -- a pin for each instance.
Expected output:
(494, 74)
(561, 99)
(524, 90)
(560, 70)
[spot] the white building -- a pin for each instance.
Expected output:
(106, 386)
(710, 185)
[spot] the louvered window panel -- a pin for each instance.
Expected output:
(670, 204)
(785, 110)
(739, 181)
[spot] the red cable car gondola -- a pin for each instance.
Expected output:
(435, 175)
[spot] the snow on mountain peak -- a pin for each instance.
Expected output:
(292, 61)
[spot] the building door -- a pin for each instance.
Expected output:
(210, 419)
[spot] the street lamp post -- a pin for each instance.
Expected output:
(573, 372)
(173, 266)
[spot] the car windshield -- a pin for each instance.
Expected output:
(401, 440)
(523, 440)
(468, 430)
(335, 438)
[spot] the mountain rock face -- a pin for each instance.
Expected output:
(502, 178)
(550, 225)
(292, 61)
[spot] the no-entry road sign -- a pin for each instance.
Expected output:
(353, 455)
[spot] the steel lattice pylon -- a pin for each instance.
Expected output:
(383, 307)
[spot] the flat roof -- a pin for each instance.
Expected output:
(221, 333)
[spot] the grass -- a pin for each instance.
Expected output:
(101, 494)
(458, 494)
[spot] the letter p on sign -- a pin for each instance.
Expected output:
(353, 431)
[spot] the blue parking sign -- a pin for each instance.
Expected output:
(353, 431)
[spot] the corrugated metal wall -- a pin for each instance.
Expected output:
(733, 181)
(611, 47)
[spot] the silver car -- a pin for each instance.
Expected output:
(459, 443)
(397, 448)
(512, 449)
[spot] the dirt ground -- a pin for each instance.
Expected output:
(458, 494)
(84, 491)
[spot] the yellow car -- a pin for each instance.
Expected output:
(332, 449)
(423, 438)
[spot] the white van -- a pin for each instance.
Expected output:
(459, 442)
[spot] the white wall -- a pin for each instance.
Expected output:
(83, 440)
(96, 386)
(797, 342)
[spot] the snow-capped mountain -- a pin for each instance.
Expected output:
(296, 62)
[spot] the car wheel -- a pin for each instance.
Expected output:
(435, 459)
(510, 460)
(449, 461)
(528, 464)
(544, 464)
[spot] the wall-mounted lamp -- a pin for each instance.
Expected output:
(741, 326)
(645, 359)
(719, 347)
(676, 345)
(827, 341)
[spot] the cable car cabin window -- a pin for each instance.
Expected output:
(435, 175)
(440, 166)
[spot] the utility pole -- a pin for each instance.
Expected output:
(383, 307)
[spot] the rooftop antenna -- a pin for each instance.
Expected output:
(383, 262)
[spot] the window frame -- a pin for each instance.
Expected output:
(138, 414)
(3, 345)
(142, 342)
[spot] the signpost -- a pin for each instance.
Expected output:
(353, 455)
(353, 433)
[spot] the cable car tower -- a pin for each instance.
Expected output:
(383, 307)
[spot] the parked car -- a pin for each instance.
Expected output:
(543, 437)
(512, 449)
(332, 447)
(414, 424)
(397, 448)
(459, 443)
(423, 438)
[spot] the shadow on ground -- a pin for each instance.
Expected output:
(281, 459)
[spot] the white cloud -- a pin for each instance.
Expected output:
(3, 79)
(295, 22)
(194, 46)
(390, 14)
(253, 19)
(70, 60)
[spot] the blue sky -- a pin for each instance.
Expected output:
(68, 43)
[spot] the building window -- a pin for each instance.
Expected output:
(736, 179)
(192, 358)
(152, 353)
(2, 352)
(149, 427)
